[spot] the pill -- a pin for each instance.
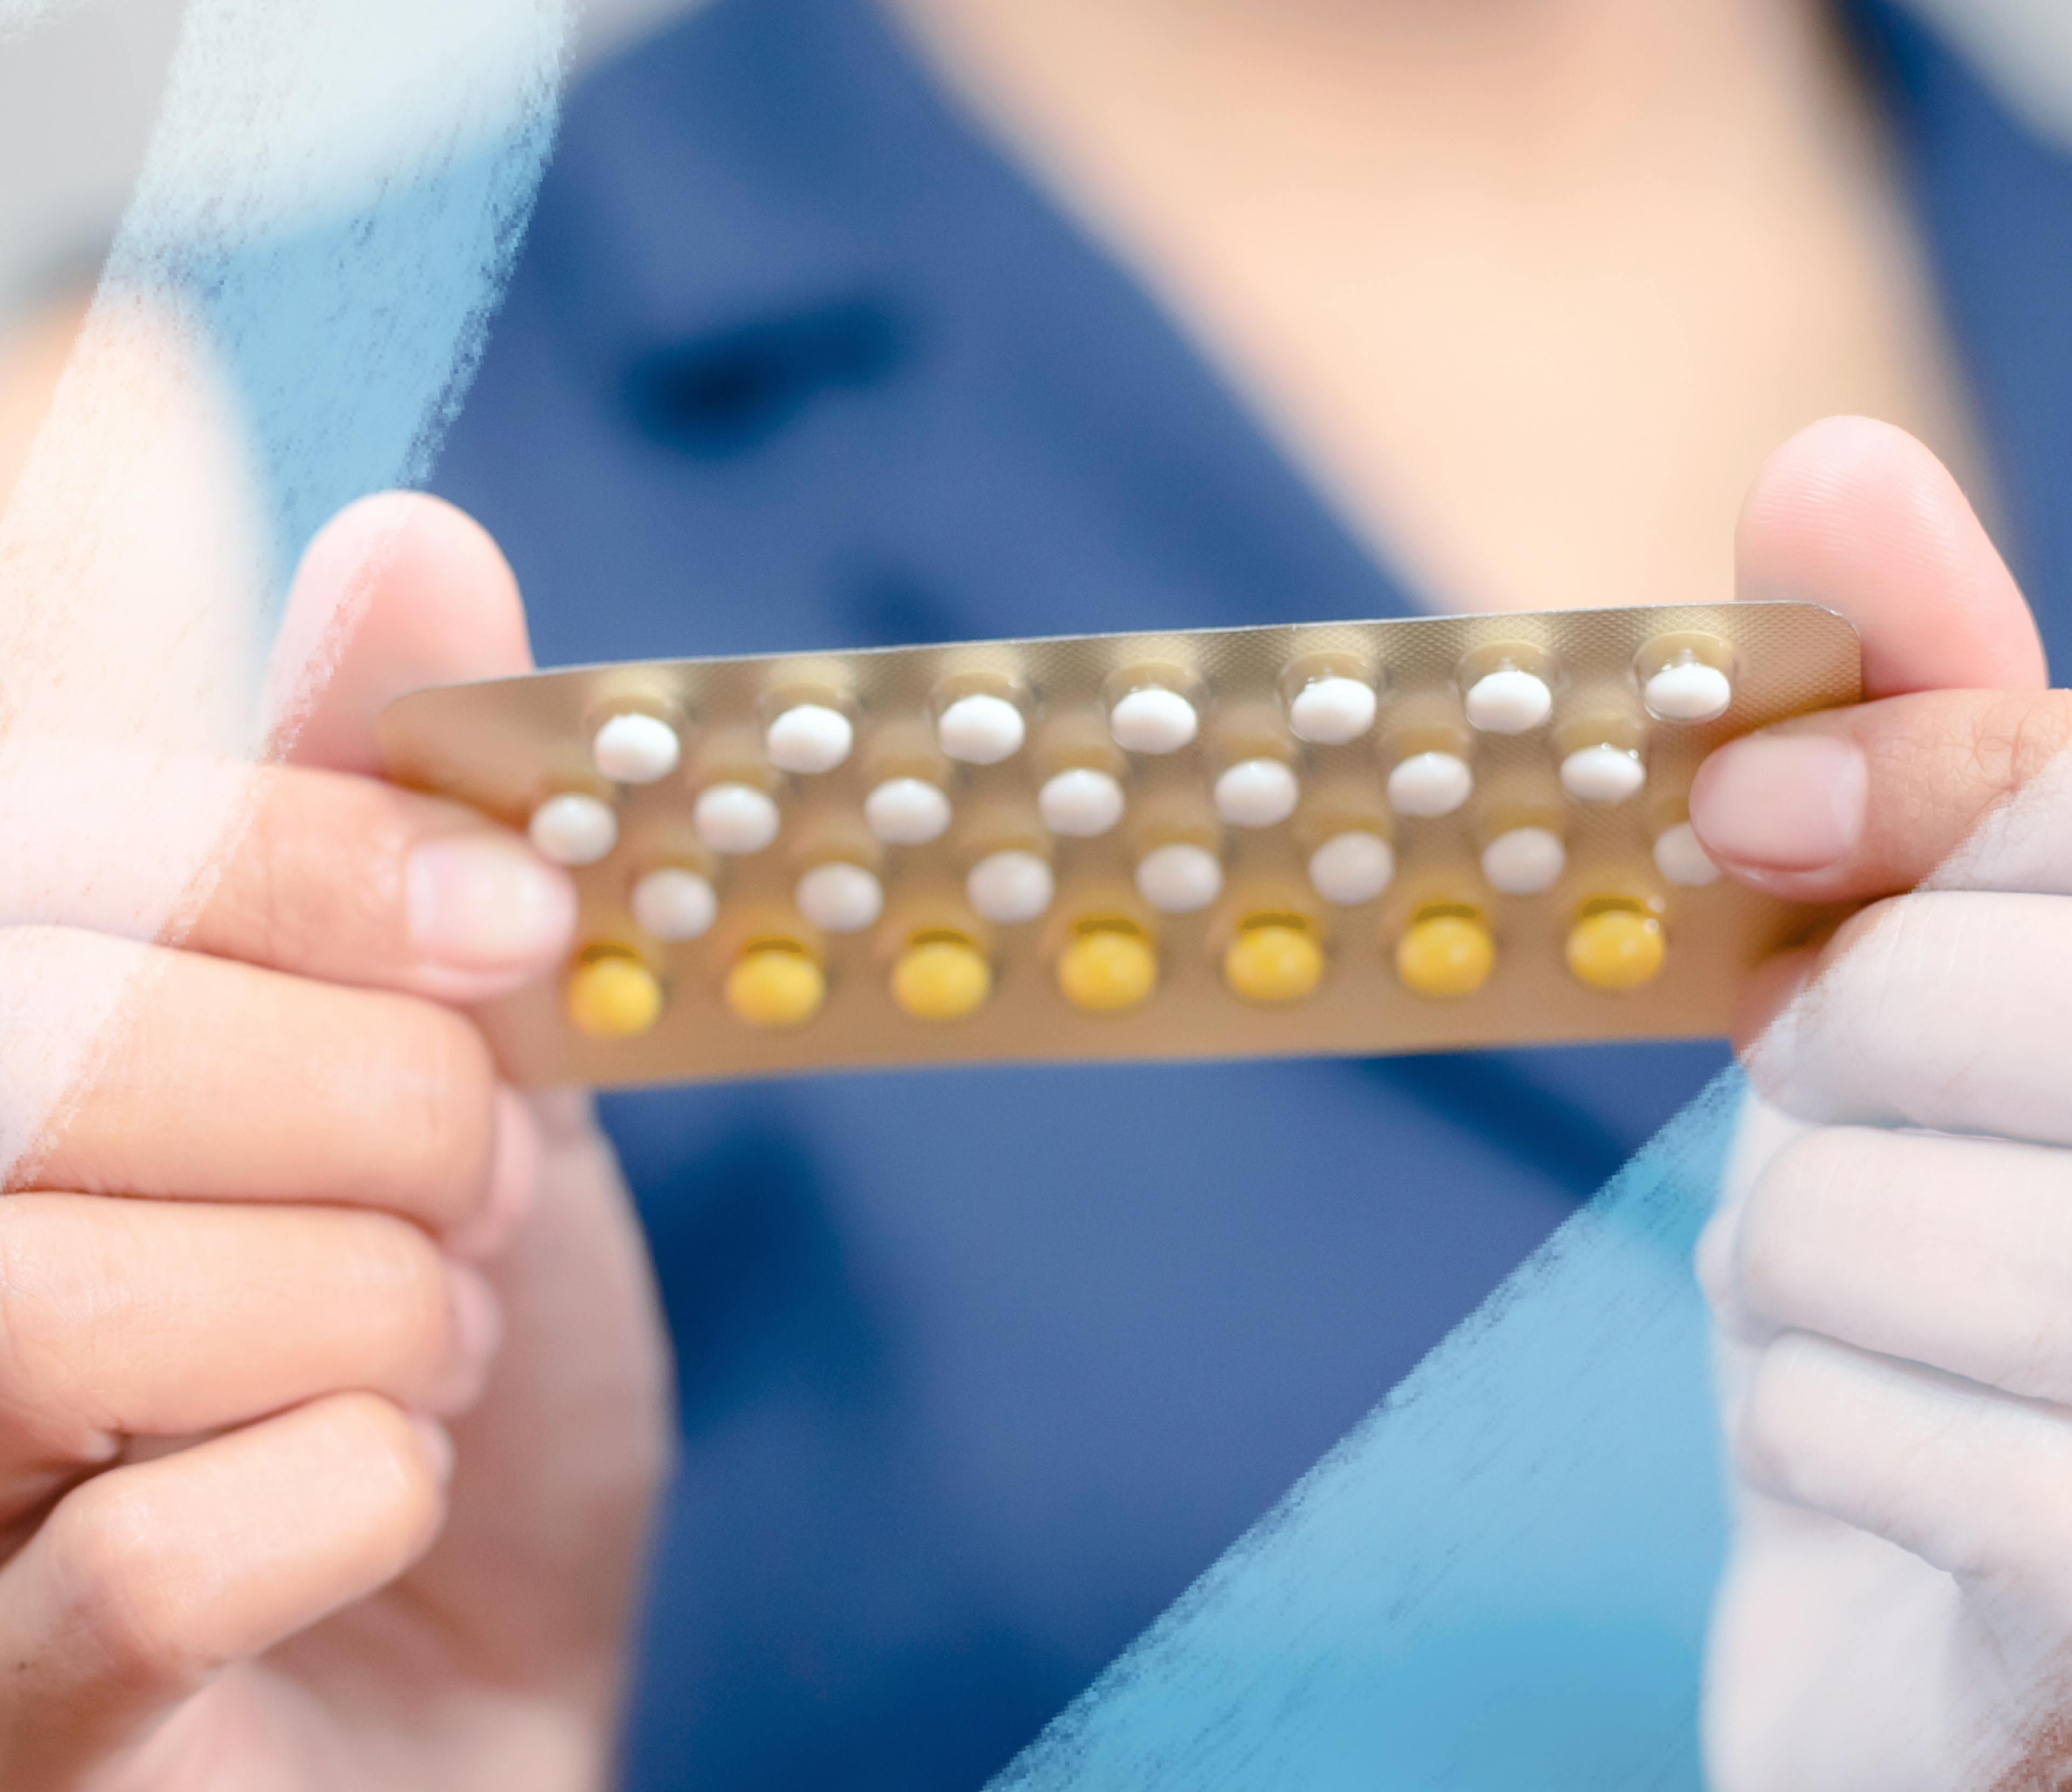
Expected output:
(612, 995)
(906, 812)
(1523, 861)
(981, 729)
(670, 903)
(1273, 960)
(735, 818)
(633, 749)
(1080, 802)
(572, 829)
(1430, 784)
(1177, 879)
(1256, 793)
(775, 984)
(1352, 867)
(809, 737)
(1330, 712)
(1688, 692)
(1154, 720)
(1602, 773)
(1680, 858)
(1446, 953)
(1107, 968)
(1009, 887)
(1509, 701)
(1618, 947)
(841, 897)
(941, 977)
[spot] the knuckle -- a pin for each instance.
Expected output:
(400, 1286)
(121, 1587)
(289, 900)
(386, 1459)
(442, 1086)
(1777, 1270)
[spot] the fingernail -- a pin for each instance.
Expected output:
(476, 1328)
(437, 1443)
(514, 1174)
(1781, 802)
(486, 902)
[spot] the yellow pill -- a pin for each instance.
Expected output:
(774, 985)
(941, 979)
(1107, 969)
(1617, 948)
(612, 995)
(1273, 960)
(1448, 953)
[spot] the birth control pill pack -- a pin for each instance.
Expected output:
(1356, 838)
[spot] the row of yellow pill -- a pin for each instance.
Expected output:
(1110, 966)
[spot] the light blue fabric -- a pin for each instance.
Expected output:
(1501, 1579)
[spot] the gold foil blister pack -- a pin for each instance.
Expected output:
(1331, 838)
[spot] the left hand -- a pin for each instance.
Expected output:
(1891, 1268)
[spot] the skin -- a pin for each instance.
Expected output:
(241, 1363)
(239, 1360)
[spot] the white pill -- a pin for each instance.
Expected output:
(1524, 861)
(633, 749)
(1177, 879)
(1154, 720)
(1081, 802)
(1256, 793)
(907, 812)
(572, 829)
(1009, 887)
(1603, 773)
(735, 818)
(1679, 858)
(1352, 867)
(673, 903)
(1430, 784)
(1332, 711)
(839, 896)
(981, 729)
(809, 737)
(1509, 701)
(1693, 691)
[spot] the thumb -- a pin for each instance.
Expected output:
(1868, 801)
(397, 591)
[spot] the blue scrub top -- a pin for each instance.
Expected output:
(981, 1369)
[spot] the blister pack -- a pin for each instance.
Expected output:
(1332, 838)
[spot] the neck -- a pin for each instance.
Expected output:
(1541, 83)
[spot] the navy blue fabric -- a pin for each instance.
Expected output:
(981, 1369)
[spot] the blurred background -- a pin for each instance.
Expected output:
(78, 92)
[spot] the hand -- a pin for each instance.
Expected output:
(274, 1509)
(1891, 1270)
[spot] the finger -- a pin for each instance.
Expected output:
(1975, 1482)
(1953, 1252)
(147, 1580)
(353, 881)
(1860, 517)
(397, 591)
(132, 1319)
(229, 1083)
(1960, 788)
(1951, 1009)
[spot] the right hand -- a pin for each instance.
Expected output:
(1891, 1266)
(264, 1263)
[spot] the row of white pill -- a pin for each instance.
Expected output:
(1081, 802)
(1014, 885)
(983, 728)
